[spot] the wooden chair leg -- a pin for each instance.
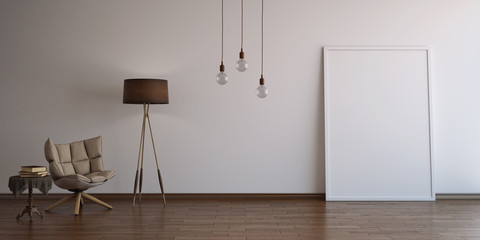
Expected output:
(59, 202)
(96, 200)
(77, 203)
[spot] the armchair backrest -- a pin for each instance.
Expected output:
(81, 157)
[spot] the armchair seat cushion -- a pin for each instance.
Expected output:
(78, 177)
(102, 176)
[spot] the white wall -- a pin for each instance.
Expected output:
(62, 65)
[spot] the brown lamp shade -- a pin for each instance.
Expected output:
(144, 90)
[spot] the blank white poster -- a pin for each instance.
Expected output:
(378, 124)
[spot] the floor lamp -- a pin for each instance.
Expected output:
(146, 92)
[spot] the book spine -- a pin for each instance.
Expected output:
(40, 169)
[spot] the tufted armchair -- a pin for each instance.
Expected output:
(77, 166)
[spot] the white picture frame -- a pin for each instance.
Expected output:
(378, 123)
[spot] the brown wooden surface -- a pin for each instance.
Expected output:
(308, 218)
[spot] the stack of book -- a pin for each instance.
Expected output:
(33, 171)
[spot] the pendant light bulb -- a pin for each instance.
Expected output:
(241, 65)
(262, 91)
(222, 77)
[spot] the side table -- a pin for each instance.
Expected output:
(19, 184)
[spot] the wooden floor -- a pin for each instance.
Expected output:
(245, 219)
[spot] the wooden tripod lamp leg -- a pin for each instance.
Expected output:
(156, 159)
(145, 114)
(135, 188)
(161, 186)
(140, 160)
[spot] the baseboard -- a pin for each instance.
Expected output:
(446, 196)
(240, 196)
(220, 196)
(184, 196)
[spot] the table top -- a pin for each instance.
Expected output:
(19, 184)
